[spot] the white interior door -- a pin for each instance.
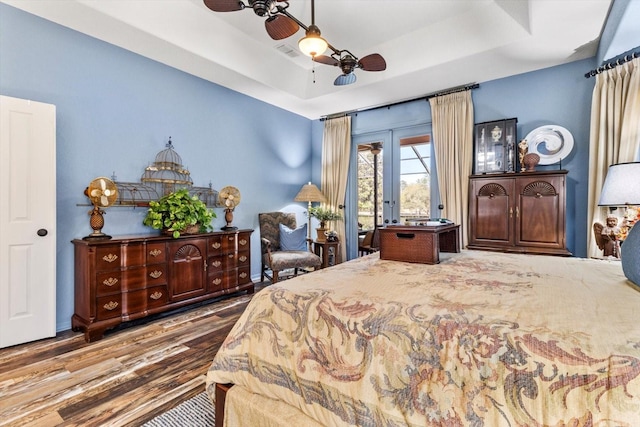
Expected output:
(27, 221)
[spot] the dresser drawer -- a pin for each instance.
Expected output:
(244, 275)
(216, 281)
(108, 258)
(108, 282)
(214, 245)
(108, 307)
(157, 296)
(156, 253)
(244, 241)
(244, 260)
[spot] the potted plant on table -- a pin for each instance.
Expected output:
(323, 215)
(179, 213)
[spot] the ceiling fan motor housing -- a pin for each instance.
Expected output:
(347, 64)
(261, 7)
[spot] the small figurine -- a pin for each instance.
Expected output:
(332, 236)
(523, 148)
(608, 238)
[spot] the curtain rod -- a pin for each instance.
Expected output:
(423, 97)
(612, 64)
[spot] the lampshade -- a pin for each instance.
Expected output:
(309, 193)
(622, 185)
(312, 44)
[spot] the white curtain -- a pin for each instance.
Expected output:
(452, 124)
(614, 136)
(336, 149)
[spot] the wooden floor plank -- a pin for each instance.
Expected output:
(127, 378)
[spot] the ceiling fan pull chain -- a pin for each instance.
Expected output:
(313, 70)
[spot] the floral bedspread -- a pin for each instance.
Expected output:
(481, 339)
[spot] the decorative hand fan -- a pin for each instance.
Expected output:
(229, 197)
(103, 193)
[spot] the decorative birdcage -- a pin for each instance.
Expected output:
(135, 194)
(167, 174)
(207, 194)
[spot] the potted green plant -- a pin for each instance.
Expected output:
(323, 215)
(179, 212)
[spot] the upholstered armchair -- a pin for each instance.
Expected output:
(281, 252)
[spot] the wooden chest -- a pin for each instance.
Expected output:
(421, 244)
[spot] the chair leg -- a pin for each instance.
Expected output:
(275, 276)
(295, 272)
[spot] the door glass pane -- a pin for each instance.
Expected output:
(415, 178)
(369, 186)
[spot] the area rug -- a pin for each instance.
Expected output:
(195, 412)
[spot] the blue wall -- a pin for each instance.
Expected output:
(116, 110)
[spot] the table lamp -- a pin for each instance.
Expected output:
(622, 188)
(309, 193)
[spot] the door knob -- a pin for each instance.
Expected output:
(42, 232)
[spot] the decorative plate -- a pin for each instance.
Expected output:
(552, 143)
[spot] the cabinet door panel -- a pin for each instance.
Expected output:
(187, 269)
(540, 219)
(491, 212)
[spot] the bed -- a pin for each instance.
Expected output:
(481, 339)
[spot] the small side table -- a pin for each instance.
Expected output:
(328, 251)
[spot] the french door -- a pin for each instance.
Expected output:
(396, 177)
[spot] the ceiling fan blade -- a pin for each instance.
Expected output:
(373, 62)
(280, 27)
(95, 193)
(224, 5)
(104, 200)
(324, 59)
(345, 79)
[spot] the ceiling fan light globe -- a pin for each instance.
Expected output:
(312, 44)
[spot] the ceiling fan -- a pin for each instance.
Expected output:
(281, 24)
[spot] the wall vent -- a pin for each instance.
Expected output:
(288, 50)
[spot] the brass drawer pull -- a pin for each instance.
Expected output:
(216, 263)
(243, 242)
(112, 305)
(110, 281)
(155, 252)
(110, 257)
(155, 274)
(217, 281)
(243, 258)
(156, 295)
(216, 245)
(243, 275)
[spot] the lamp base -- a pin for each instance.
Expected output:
(630, 255)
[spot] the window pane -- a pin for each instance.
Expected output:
(415, 181)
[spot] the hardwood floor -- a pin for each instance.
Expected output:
(127, 378)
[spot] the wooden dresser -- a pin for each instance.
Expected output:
(131, 277)
(518, 212)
